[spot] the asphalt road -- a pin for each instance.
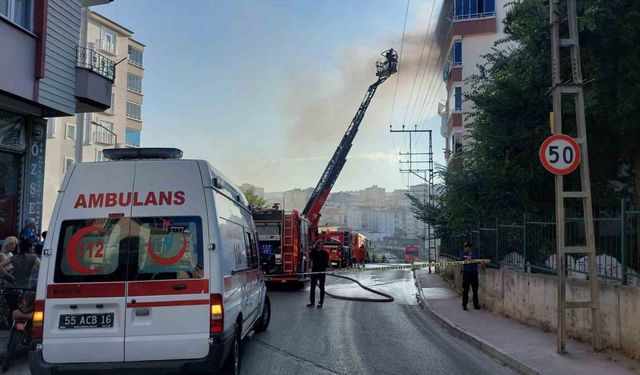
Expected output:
(356, 337)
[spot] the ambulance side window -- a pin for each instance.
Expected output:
(252, 250)
(234, 248)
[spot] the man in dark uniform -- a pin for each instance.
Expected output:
(319, 262)
(470, 276)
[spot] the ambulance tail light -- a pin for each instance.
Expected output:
(38, 320)
(217, 314)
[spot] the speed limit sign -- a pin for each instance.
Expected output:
(560, 154)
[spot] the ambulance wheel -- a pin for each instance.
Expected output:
(265, 317)
(232, 364)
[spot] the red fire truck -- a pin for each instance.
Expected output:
(284, 240)
(359, 244)
(411, 253)
(337, 242)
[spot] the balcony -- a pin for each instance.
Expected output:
(95, 74)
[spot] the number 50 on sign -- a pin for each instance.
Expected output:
(560, 154)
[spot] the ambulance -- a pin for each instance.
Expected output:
(151, 263)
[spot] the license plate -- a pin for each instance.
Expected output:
(103, 320)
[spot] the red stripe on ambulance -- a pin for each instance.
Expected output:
(85, 290)
(172, 287)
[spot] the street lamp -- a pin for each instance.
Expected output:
(108, 130)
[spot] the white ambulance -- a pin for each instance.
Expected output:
(151, 263)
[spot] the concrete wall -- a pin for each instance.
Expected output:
(532, 299)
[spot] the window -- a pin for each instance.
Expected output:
(458, 99)
(467, 9)
(134, 111)
(19, 12)
(132, 137)
(135, 56)
(103, 133)
(457, 53)
(168, 248)
(68, 162)
(134, 83)
(112, 108)
(70, 131)
(108, 41)
(158, 248)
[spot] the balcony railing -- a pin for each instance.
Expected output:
(103, 137)
(97, 62)
(471, 16)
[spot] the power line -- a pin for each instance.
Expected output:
(404, 28)
(424, 45)
(426, 66)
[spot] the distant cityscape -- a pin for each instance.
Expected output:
(383, 216)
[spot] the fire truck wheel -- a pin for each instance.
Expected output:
(265, 318)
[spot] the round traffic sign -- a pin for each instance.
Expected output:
(560, 154)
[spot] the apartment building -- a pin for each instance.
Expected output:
(466, 30)
(81, 138)
(45, 72)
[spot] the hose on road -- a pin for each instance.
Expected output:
(387, 297)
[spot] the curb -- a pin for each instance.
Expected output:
(474, 340)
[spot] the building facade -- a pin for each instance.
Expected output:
(81, 138)
(466, 30)
(47, 74)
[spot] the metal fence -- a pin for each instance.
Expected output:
(529, 244)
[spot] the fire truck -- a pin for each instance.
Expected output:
(337, 242)
(359, 244)
(385, 67)
(283, 238)
(411, 253)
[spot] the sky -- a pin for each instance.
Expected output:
(264, 90)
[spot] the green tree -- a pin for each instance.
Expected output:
(254, 199)
(498, 174)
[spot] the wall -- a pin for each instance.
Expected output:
(57, 88)
(17, 79)
(532, 299)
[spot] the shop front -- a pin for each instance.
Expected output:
(22, 141)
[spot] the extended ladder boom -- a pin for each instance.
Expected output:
(385, 68)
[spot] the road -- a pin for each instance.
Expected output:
(356, 337)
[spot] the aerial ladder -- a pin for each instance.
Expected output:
(385, 67)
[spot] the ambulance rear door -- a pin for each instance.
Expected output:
(84, 319)
(168, 301)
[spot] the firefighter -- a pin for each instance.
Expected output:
(319, 262)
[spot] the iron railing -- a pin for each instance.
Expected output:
(97, 62)
(529, 244)
(472, 16)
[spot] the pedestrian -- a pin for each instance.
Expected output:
(23, 264)
(319, 262)
(8, 247)
(469, 276)
(29, 231)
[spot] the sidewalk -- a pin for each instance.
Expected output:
(527, 349)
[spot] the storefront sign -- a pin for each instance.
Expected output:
(34, 171)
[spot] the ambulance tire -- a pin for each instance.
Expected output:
(265, 317)
(232, 364)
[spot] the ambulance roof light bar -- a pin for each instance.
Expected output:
(142, 153)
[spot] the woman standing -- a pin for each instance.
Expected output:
(8, 247)
(23, 263)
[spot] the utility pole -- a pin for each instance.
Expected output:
(572, 87)
(415, 165)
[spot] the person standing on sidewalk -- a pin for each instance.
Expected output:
(469, 276)
(319, 262)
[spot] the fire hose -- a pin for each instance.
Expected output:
(386, 297)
